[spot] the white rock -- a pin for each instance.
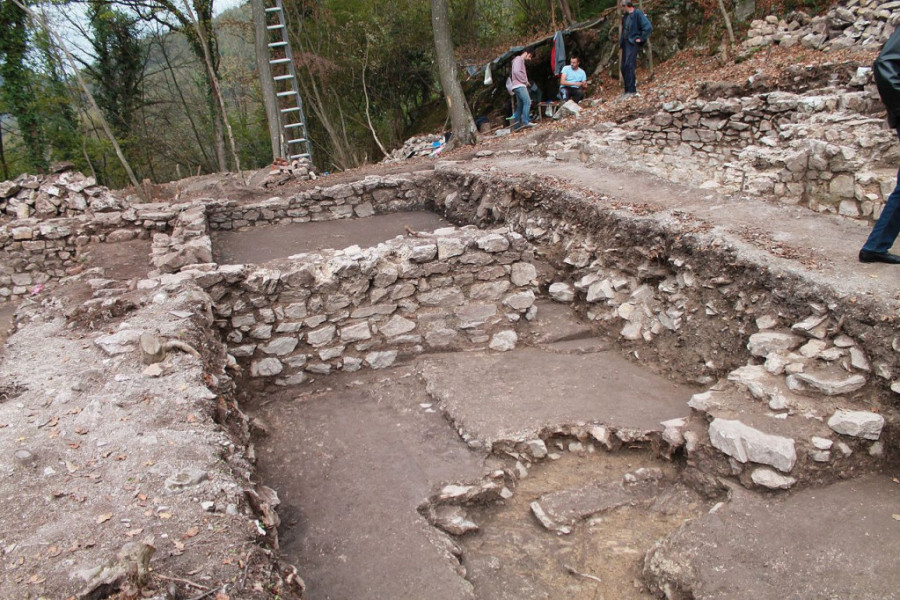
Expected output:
(265, 367)
(522, 273)
(561, 292)
(822, 443)
(771, 479)
(767, 322)
(381, 360)
(504, 341)
(537, 448)
(280, 346)
(857, 423)
(744, 443)
(829, 383)
(765, 342)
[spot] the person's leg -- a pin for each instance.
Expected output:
(886, 228)
(577, 95)
(629, 65)
(517, 114)
(525, 100)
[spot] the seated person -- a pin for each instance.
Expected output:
(572, 82)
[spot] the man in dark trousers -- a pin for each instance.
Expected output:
(636, 29)
(884, 233)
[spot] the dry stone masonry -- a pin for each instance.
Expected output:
(867, 23)
(819, 142)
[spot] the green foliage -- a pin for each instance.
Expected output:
(18, 91)
(118, 68)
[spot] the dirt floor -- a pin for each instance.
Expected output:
(260, 244)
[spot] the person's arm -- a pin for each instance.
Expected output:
(644, 28)
(887, 74)
(564, 81)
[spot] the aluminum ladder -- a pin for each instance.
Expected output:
(294, 141)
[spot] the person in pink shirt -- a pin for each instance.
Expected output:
(518, 84)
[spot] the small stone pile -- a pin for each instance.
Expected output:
(188, 244)
(283, 171)
(420, 145)
(65, 194)
(866, 23)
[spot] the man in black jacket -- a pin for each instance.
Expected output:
(636, 29)
(884, 233)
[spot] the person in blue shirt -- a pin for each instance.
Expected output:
(636, 29)
(573, 81)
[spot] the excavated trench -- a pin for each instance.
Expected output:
(541, 409)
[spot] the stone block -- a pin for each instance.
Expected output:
(857, 423)
(746, 444)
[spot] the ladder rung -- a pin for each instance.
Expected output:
(297, 141)
(273, 9)
(276, 26)
(290, 93)
(291, 109)
(305, 154)
(277, 44)
(279, 61)
(283, 77)
(291, 125)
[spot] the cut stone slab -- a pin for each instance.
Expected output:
(506, 396)
(834, 542)
(555, 322)
(857, 423)
(746, 444)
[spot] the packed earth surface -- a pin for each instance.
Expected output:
(628, 353)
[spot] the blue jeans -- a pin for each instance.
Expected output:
(629, 66)
(886, 228)
(523, 107)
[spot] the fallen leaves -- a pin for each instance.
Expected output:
(103, 518)
(190, 532)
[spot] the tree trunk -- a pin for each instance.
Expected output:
(266, 83)
(727, 21)
(2, 155)
(566, 10)
(462, 123)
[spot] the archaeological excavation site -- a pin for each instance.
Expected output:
(617, 359)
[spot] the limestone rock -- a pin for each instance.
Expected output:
(857, 423)
(746, 444)
(504, 341)
(561, 292)
(830, 383)
(773, 480)
(766, 342)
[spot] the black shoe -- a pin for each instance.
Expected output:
(866, 256)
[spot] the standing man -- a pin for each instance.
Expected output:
(518, 86)
(636, 29)
(573, 81)
(884, 233)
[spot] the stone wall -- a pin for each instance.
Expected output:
(342, 310)
(866, 23)
(827, 151)
(344, 201)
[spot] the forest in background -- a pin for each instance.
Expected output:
(366, 69)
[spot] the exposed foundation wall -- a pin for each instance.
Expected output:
(776, 144)
(346, 201)
(457, 289)
(37, 251)
(680, 298)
